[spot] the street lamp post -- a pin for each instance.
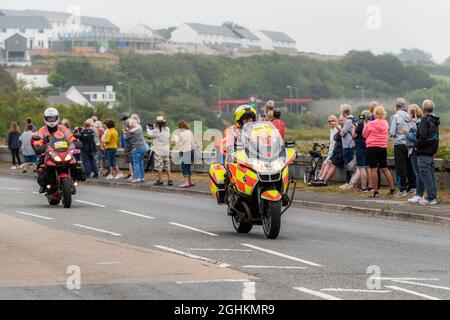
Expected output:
(219, 92)
(129, 94)
(290, 95)
(363, 94)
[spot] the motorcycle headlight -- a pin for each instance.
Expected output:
(278, 165)
(55, 157)
(265, 167)
(69, 156)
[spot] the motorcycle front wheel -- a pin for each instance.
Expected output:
(66, 186)
(271, 219)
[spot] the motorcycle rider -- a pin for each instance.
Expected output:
(51, 119)
(244, 114)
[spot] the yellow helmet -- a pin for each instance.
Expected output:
(244, 112)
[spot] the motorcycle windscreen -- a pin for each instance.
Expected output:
(262, 141)
(59, 142)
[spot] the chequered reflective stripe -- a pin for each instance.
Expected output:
(285, 179)
(217, 173)
(246, 179)
(213, 188)
(271, 195)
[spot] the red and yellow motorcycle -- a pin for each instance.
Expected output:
(254, 182)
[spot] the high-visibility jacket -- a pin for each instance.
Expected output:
(45, 132)
(230, 138)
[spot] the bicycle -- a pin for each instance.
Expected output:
(317, 158)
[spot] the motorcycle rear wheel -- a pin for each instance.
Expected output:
(53, 202)
(271, 219)
(66, 186)
(239, 225)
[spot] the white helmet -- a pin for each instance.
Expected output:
(51, 117)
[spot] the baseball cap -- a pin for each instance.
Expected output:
(124, 118)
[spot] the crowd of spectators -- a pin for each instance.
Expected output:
(360, 145)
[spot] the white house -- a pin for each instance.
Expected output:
(64, 24)
(276, 41)
(33, 79)
(86, 96)
(198, 33)
(36, 30)
(144, 31)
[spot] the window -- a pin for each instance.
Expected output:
(3, 30)
(22, 30)
(94, 96)
(41, 31)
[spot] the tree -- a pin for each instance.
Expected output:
(415, 55)
(232, 25)
(7, 83)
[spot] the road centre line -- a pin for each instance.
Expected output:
(98, 230)
(317, 294)
(9, 189)
(355, 290)
(136, 214)
(413, 293)
(213, 281)
(192, 256)
(405, 279)
(91, 203)
(274, 267)
(423, 285)
(282, 255)
(249, 291)
(34, 215)
(193, 229)
(224, 250)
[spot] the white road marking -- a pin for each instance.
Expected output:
(405, 279)
(193, 229)
(224, 250)
(213, 281)
(34, 215)
(35, 192)
(317, 294)
(423, 285)
(413, 293)
(192, 256)
(9, 189)
(282, 255)
(91, 203)
(249, 291)
(355, 290)
(107, 263)
(98, 230)
(136, 214)
(274, 267)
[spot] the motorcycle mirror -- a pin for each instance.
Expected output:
(290, 144)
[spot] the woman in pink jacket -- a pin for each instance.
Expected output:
(377, 133)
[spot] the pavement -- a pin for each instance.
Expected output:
(127, 243)
(345, 202)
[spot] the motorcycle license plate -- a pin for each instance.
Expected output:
(61, 145)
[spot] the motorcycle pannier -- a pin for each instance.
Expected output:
(217, 182)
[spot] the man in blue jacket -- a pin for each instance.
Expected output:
(426, 147)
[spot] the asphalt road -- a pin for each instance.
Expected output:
(131, 244)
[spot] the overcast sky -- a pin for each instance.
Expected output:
(322, 26)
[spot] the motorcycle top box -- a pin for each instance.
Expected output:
(254, 182)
